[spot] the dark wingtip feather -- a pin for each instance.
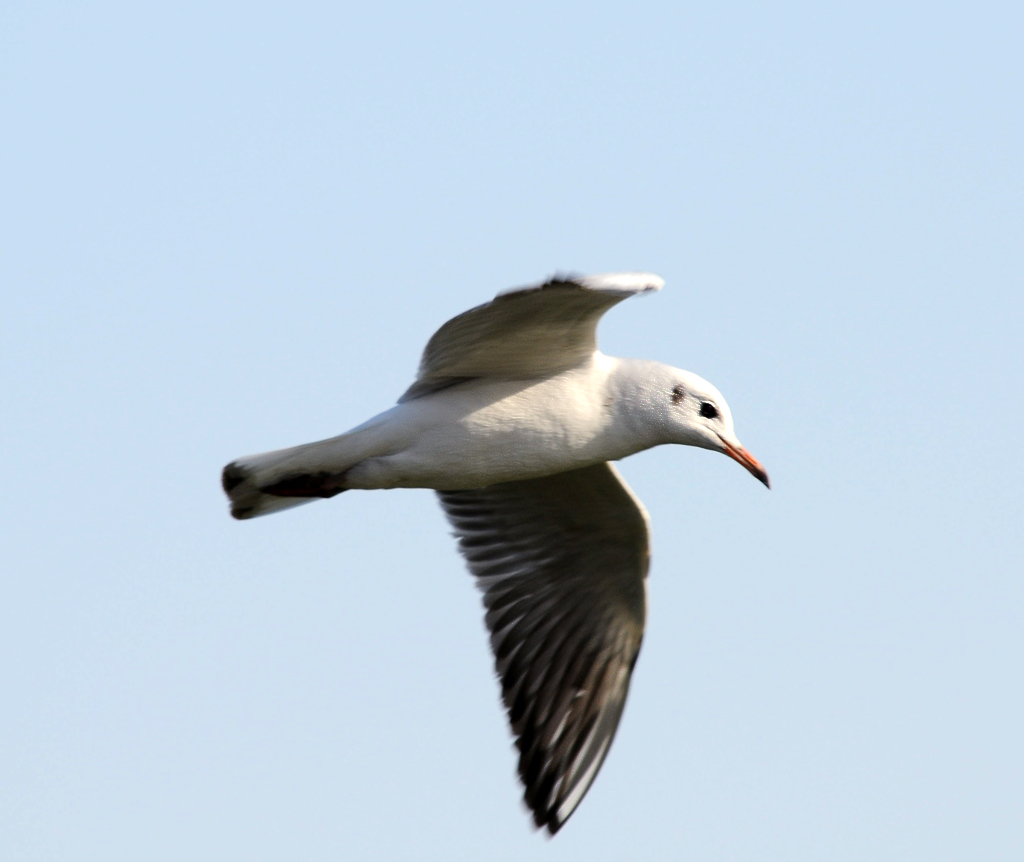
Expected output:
(232, 476)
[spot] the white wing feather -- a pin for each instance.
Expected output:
(526, 332)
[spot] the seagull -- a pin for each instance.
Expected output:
(514, 420)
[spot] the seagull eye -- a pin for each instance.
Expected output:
(708, 410)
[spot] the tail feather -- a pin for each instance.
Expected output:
(247, 500)
(274, 481)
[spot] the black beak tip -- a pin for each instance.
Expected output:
(759, 473)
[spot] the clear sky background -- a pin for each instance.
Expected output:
(229, 227)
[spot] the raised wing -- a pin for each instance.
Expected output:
(562, 563)
(527, 332)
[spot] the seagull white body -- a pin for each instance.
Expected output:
(513, 420)
(488, 431)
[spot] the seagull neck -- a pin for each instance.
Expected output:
(635, 386)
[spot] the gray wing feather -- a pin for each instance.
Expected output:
(562, 562)
(525, 333)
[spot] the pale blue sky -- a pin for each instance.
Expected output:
(230, 227)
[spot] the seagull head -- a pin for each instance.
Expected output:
(695, 414)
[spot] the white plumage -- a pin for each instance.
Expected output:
(513, 419)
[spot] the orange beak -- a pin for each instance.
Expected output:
(742, 456)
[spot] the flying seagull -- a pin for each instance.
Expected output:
(514, 420)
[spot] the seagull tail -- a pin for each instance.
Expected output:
(274, 481)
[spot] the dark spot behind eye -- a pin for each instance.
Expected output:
(678, 394)
(708, 410)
